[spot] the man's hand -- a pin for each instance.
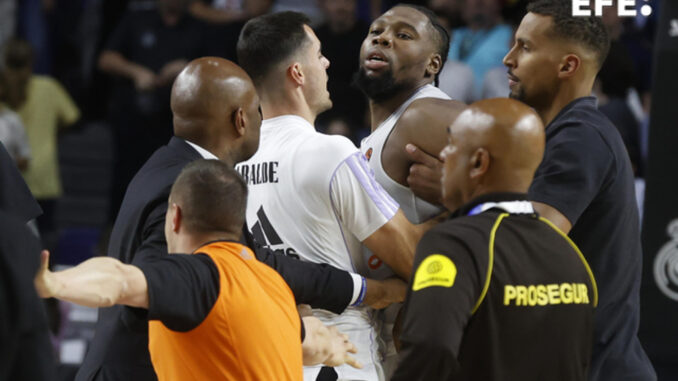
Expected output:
(144, 79)
(170, 71)
(326, 345)
(425, 174)
(382, 293)
(44, 281)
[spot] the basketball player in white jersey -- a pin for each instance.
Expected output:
(400, 59)
(313, 195)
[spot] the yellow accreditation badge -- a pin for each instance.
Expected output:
(435, 270)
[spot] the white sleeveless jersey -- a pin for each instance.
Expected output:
(313, 196)
(415, 209)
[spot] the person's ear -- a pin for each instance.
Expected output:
(569, 66)
(296, 74)
(480, 163)
(435, 63)
(177, 217)
(240, 121)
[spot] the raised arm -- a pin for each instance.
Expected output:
(97, 282)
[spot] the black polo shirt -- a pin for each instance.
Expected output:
(586, 175)
(497, 295)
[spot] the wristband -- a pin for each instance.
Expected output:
(361, 296)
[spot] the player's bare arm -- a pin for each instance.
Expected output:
(97, 282)
(395, 243)
(423, 124)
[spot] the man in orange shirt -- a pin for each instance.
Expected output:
(217, 313)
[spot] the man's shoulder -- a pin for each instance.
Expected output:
(584, 129)
(327, 150)
(429, 108)
(424, 123)
(157, 175)
(582, 114)
(463, 228)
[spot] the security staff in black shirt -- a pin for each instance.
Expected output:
(585, 183)
(498, 293)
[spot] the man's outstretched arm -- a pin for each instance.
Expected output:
(97, 282)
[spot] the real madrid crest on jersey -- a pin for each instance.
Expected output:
(666, 264)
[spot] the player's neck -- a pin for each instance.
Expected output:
(274, 105)
(188, 243)
(380, 111)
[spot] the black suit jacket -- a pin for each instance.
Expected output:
(25, 348)
(119, 350)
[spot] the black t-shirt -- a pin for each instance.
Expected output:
(182, 289)
(497, 296)
(143, 38)
(586, 175)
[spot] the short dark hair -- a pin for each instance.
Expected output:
(212, 197)
(267, 40)
(588, 31)
(440, 34)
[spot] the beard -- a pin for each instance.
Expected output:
(378, 88)
(519, 95)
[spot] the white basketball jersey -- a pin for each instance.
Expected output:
(313, 196)
(416, 209)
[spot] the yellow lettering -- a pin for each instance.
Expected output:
(576, 291)
(521, 300)
(584, 292)
(566, 293)
(509, 293)
(542, 296)
(532, 295)
(553, 294)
